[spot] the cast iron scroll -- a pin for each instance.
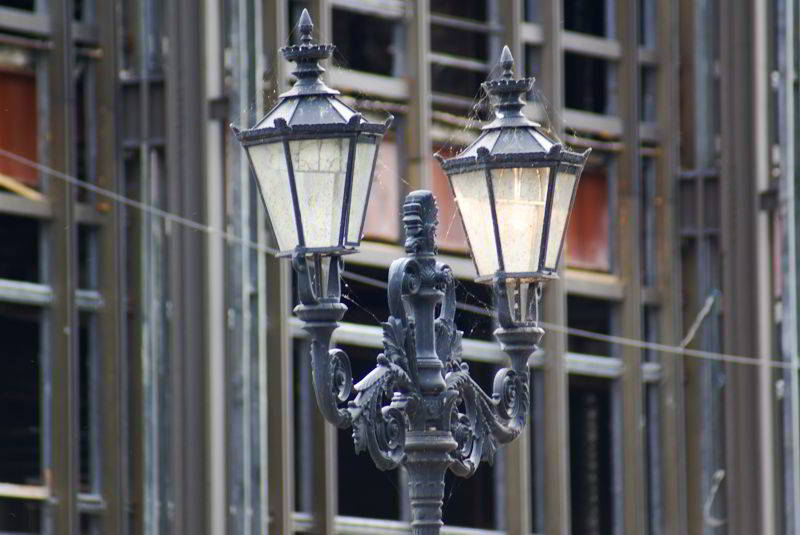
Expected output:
(419, 406)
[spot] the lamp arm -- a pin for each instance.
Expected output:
(487, 421)
(321, 311)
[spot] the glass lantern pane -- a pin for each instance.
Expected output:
(269, 163)
(362, 176)
(520, 195)
(562, 199)
(472, 197)
(320, 166)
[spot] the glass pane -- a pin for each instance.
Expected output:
(472, 198)
(362, 176)
(363, 490)
(562, 199)
(590, 84)
(593, 315)
(519, 196)
(19, 257)
(19, 516)
(587, 16)
(450, 233)
(269, 162)
(588, 244)
(88, 403)
(320, 166)
(18, 115)
(383, 212)
(591, 456)
(366, 43)
(20, 396)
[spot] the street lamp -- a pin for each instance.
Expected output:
(418, 407)
(313, 158)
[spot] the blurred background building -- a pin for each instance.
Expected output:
(153, 380)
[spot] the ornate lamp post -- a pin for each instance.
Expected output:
(313, 158)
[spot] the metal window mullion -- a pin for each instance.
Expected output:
(554, 515)
(632, 472)
(63, 272)
(113, 418)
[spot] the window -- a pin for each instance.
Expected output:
(590, 84)
(450, 234)
(19, 118)
(652, 440)
(27, 5)
(20, 516)
(531, 10)
(384, 197)
(459, 57)
(591, 458)
(647, 23)
(648, 103)
(357, 472)
(467, 501)
(649, 205)
(594, 17)
(588, 245)
(475, 10)
(592, 315)
(20, 262)
(21, 396)
(366, 43)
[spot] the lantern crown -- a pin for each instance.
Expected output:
(306, 56)
(507, 95)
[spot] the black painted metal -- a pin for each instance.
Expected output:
(317, 113)
(419, 407)
(536, 149)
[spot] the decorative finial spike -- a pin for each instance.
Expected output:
(306, 26)
(507, 62)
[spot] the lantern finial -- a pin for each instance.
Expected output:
(307, 56)
(305, 26)
(507, 62)
(507, 94)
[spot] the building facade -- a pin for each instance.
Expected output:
(155, 381)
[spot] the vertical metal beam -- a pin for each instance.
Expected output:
(787, 29)
(325, 473)
(63, 276)
(557, 510)
(739, 209)
(418, 142)
(186, 118)
(215, 261)
(280, 444)
(765, 423)
(114, 455)
(279, 408)
(671, 403)
(628, 189)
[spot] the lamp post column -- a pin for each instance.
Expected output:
(429, 442)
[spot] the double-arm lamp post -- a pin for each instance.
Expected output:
(313, 158)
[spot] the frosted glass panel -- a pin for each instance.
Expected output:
(562, 197)
(362, 175)
(269, 162)
(520, 196)
(320, 166)
(472, 197)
